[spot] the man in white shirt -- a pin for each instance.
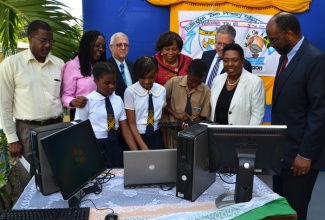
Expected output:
(119, 45)
(226, 34)
(30, 83)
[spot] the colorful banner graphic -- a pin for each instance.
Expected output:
(199, 28)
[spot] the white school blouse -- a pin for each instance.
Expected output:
(137, 98)
(95, 111)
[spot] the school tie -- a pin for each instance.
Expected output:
(110, 120)
(214, 72)
(283, 65)
(122, 72)
(188, 107)
(151, 118)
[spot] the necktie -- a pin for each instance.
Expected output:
(283, 65)
(188, 108)
(110, 120)
(122, 72)
(214, 72)
(151, 118)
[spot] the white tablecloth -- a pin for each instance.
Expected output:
(150, 203)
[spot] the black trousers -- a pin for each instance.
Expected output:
(296, 189)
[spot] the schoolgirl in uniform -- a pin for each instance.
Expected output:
(136, 101)
(96, 111)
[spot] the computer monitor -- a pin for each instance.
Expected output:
(245, 151)
(75, 159)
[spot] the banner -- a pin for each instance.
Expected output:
(199, 28)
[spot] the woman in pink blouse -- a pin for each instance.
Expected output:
(78, 79)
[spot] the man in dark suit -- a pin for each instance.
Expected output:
(298, 102)
(226, 34)
(119, 45)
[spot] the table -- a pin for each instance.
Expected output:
(151, 202)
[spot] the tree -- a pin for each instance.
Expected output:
(15, 14)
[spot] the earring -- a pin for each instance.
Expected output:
(162, 53)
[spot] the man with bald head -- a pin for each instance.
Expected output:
(299, 103)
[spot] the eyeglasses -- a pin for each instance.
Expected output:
(273, 40)
(44, 42)
(220, 44)
(98, 46)
(126, 45)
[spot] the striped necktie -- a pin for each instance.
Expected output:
(151, 118)
(123, 73)
(214, 72)
(283, 65)
(110, 120)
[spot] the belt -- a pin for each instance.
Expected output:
(43, 122)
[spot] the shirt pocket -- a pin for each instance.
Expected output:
(55, 88)
(196, 109)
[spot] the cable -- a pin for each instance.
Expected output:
(228, 175)
(99, 209)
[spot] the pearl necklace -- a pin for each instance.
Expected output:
(232, 84)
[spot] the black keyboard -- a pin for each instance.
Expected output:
(178, 124)
(46, 214)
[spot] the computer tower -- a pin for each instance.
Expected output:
(193, 176)
(44, 180)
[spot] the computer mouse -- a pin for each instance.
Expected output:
(112, 216)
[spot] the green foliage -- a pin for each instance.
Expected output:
(15, 14)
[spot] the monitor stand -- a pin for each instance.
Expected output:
(74, 202)
(244, 179)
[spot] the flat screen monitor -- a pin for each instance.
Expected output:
(245, 151)
(75, 158)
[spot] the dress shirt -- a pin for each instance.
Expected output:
(29, 90)
(177, 91)
(137, 99)
(211, 68)
(95, 111)
(74, 84)
(126, 72)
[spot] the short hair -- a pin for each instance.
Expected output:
(236, 47)
(144, 65)
(197, 68)
(85, 51)
(101, 69)
(167, 39)
(34, 26)
(118, 34)
(287, 21)
(227, 29)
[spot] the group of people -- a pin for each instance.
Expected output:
(125, 101)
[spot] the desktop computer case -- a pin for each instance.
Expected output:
(43, 173)
(193, 176)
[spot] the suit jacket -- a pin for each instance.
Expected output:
(120, 84)
(247, 106)
(209, 55)
(299, 102)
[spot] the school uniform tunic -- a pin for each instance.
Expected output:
(137, 98)
(95, 111)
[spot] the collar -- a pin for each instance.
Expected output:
(49, 58)
(119, 62)
(294, 50)
(183, 83)
(94, 95)
(156, 89)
